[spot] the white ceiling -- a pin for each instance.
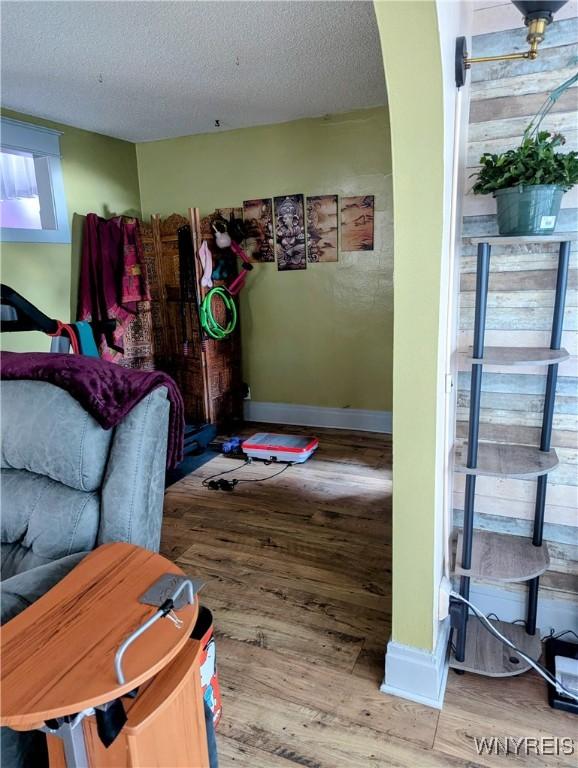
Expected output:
(151, 70)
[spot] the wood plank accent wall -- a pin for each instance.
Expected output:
(504, 97)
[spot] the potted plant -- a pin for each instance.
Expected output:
(528, 183)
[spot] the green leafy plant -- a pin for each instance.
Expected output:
(535, 161)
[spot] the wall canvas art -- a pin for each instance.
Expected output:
(357, 223)
(258, 218)
(290, 232)
(322, 228)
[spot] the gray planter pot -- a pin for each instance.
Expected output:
(528, 210)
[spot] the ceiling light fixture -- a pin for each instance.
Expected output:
(538, 14)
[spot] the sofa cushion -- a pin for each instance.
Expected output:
(46, 431)
(43, 520)
(28, 749)
(23, 589)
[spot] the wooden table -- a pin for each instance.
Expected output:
(58, 660)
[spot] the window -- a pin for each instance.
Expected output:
(32, 200)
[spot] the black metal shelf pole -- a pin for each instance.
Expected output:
(547, 421)
(482, 278)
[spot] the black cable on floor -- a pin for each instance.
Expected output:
(229, 485)
(207, 480)
(269, 477)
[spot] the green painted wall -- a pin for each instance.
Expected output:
(100, 176)
(412, 63)
(322, 336)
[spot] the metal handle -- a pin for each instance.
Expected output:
(188, 584)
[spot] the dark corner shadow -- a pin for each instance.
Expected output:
(75, 255)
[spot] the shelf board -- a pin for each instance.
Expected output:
(558, 237)
(505, 460)
(502, 557)
(486, 655)
(519, 356)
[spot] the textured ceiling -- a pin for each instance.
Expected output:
(152, 70)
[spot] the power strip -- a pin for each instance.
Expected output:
(567, 674)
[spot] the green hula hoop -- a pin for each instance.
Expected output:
(208, 321)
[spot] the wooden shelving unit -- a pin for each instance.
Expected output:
(486, 655)
(502, 557)
(507, 460)
(512, 356)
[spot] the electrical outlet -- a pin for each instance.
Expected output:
(247, 393)
(444, 598)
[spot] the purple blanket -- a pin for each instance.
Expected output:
(107, 391)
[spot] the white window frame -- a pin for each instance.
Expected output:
(44, 144)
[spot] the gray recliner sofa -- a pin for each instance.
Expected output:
(67, 486)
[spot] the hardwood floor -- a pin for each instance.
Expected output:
(298, 579)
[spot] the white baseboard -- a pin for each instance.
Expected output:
(315, 416)
(418, 675)
(510, 605)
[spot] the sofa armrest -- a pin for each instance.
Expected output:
(134, 481)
